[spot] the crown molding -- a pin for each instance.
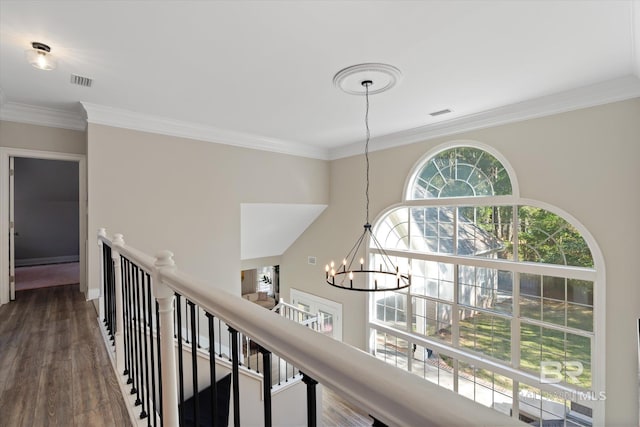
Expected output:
(602, 93)
(102, 115)
(41, 116)
(589, 96)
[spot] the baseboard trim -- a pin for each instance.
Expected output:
(93, 294)
(27, 262)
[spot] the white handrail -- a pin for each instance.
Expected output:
(391, 395)
(310, 317)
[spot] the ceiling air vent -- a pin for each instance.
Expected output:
(81, 81)
(439, 113)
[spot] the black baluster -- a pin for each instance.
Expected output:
(198, 325)
(125, 336)
(175, 321)
(246, 341)
(180, 361)
(311, 400)
(266, 384)
(106, 286)
(140, 376)
(134, 342)
(212, 370)
(112, 298)
(107, 271)
(377, 422)
(279, 370)
(159, 361)
(143, 326)
(186, 323)
(153, 367)
(132, 338)
(235, 376)
(104, 283)
(194, 364)
(219, 339)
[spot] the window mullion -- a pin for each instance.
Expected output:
(455, 313)
(409, 302)
(515, 321)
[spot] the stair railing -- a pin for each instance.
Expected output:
(391, 396)
(298, 315)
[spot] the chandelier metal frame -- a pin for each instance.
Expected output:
(346, 272)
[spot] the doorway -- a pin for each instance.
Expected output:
(44, 229)
(329, 312)
(46, 223)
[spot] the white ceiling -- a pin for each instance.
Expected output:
(260, 73)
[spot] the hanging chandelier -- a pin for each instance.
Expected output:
(352, 274)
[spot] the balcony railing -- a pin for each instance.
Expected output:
(157, 314)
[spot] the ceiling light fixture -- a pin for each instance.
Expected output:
(351, 274)
(40, 56)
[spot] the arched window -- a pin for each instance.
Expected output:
(501, 307)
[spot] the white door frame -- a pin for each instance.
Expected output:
(12, 230)
(319, 303)
(5, 154)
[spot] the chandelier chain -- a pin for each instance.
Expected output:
(366, 147)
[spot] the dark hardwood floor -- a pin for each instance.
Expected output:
(337, 412)
(54, 368)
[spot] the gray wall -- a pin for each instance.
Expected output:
(46, 211)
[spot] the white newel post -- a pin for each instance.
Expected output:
(118, 242)
(102, 232)
(165, 297)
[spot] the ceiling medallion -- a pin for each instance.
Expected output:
(382, 77)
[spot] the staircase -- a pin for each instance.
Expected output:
(211, 408)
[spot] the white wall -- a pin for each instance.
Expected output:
(584, 162)
(165, 192)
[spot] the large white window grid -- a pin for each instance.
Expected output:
(510, 319)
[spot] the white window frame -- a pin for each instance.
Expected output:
(597, 275)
